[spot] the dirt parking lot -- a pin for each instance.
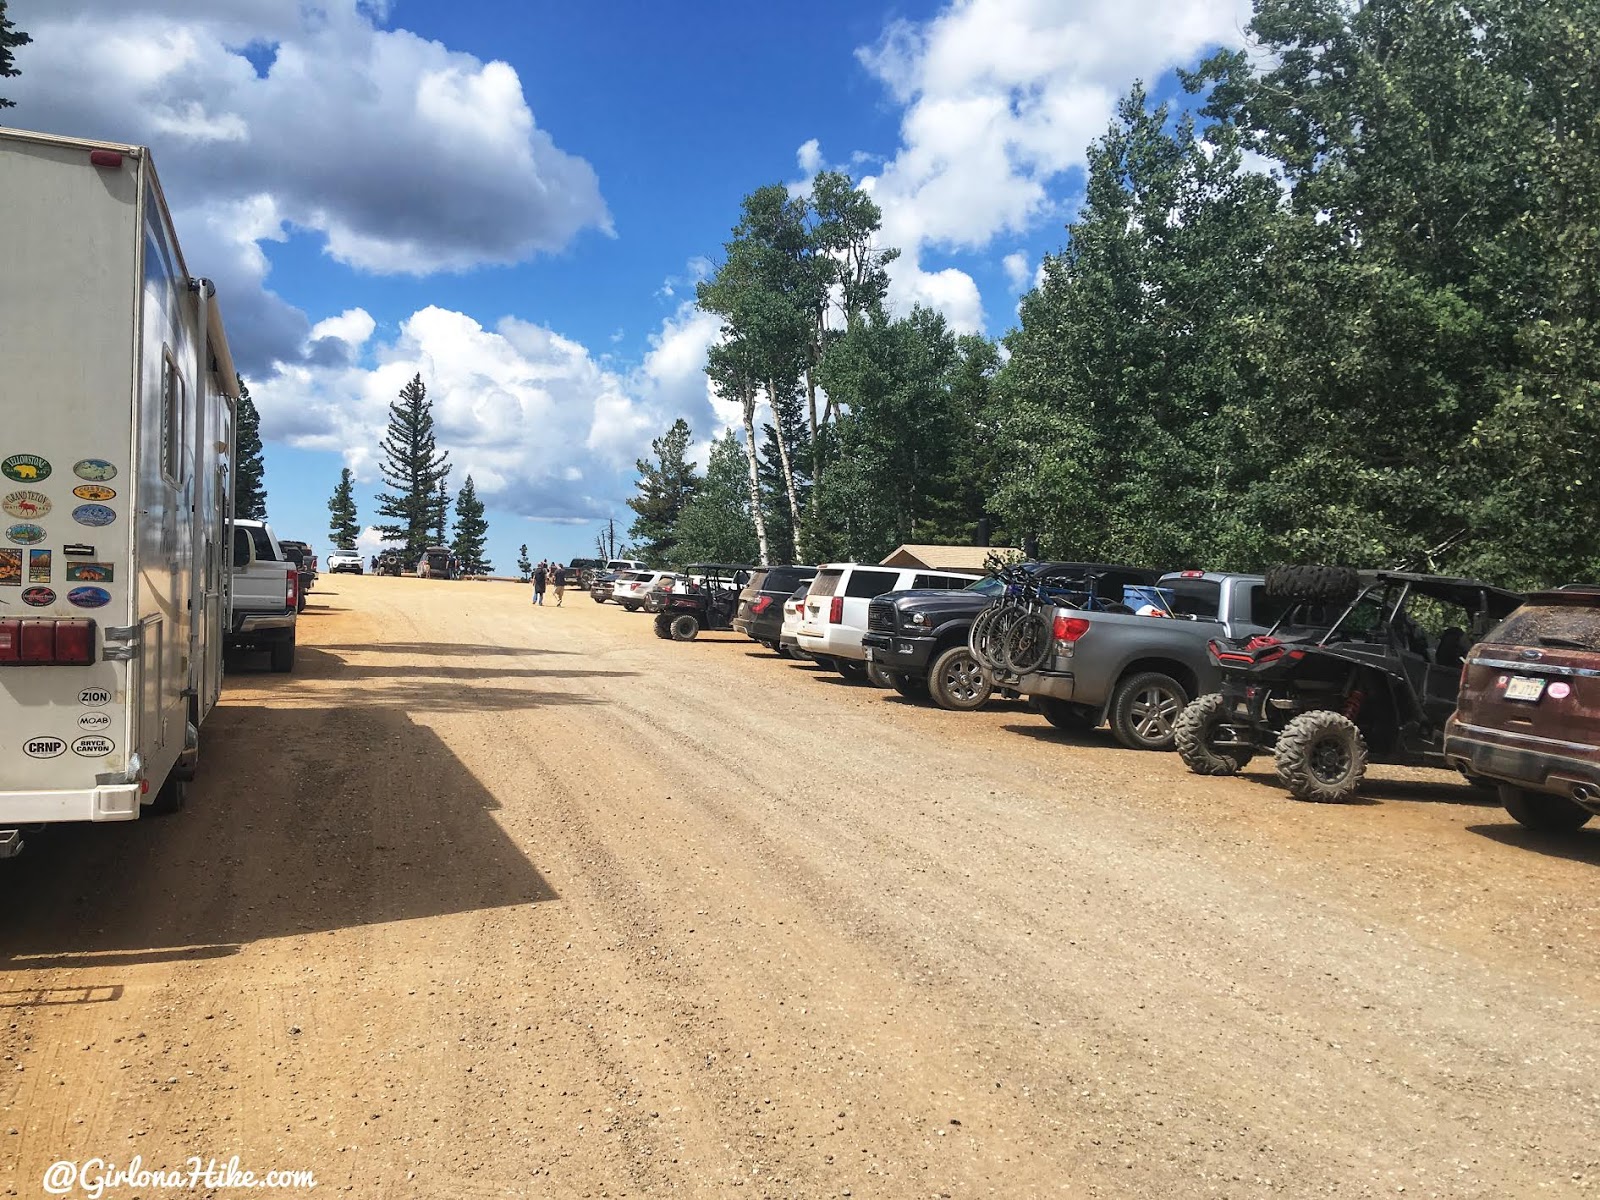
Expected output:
(484, 901)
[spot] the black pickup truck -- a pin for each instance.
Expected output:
(918, 638)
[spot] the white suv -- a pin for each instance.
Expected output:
(835, 613)
(345, 560)
(632, 587)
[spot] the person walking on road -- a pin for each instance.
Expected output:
(560, 575)
(540, 577)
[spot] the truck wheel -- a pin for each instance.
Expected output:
(685, 628)
(1322, 757)
(283, 654)
(1145, 708)
(663, 626)
(174, 792)
(631, 607)
(300, 603)
(912, 687)
(1542, 811)
(1065, 715)
(956, 681)
(1334, 585)
(1195, 734)
(878, 677)
(853, 671)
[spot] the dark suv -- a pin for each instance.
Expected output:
(918, 637)
(760, 616)
(1529, 714)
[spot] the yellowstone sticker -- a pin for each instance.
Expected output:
(94, 491)
(38, 566)
(91, 573)
(94, 515)
(94, 720)
(10, 567)
(26, 506)
(44, 747)
(95, 470)
(25, 534)
(37, 597)
(89, 597)
(92, 745)
(25, 468)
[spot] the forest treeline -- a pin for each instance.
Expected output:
(1339, 305)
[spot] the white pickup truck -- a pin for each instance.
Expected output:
(266, 594)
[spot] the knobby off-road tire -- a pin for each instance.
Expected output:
(958, 681)
(685, 628)
(1543, 812)
(1065, 715)
(1196, 727)
(1321, 757)
(663, 626)
(1322, 585)
(1145, 708)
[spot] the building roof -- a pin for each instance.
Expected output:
(947, 558)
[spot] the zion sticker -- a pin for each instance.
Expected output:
(10, 567)
(25, 468)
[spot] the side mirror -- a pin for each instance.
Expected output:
(244, 549)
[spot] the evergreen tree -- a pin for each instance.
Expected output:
(716, 525)
(441, 513)
(249, 488)
(343, 525)
(524, 563)
(665, 486)
(10, 38)
(472, 531)
(415, 468)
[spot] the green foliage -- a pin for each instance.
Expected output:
(10, 38)
(665, 486)
(249, 489)
(717, 525)
(524, 563)
(344, 527)
(472, 531)
(415, 468)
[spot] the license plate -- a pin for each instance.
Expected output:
(870, 653)
(1524, 687)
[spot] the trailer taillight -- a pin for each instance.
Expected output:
(109, 159)
(47, 642)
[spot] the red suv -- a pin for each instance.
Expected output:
(1529, 713)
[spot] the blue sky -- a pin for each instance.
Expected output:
(515, 198)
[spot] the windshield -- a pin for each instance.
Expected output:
(986, 587)
(1560, 626)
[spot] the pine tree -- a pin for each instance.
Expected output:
(441, 513)
(249, 489)
(10, 38)
(524, 563)
(415, 468)
(343, 525)
(665, 487)
(472, 531)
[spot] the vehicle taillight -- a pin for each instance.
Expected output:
(291, 589)
(47, 642)
(38, 642)
(1069, 629)
(1191, 574)
(74, 643)
(761, 605)
(836, 610)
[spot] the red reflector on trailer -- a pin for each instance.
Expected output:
(106, 158)
(75, 643)
(38, 642)
(10, 640)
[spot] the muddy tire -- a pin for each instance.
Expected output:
(1321, 757)
(912, 687)
(1325, 585)
(663, 626)
(958, 682)
(1542, 811)
(1196, 728)
(1144, 709)
(1065, 715)
(685, 628)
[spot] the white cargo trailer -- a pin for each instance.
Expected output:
(117, 414)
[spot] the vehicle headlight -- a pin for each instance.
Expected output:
(919, 619)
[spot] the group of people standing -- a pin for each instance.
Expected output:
(549, 575)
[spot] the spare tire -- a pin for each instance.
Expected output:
(1335, 585)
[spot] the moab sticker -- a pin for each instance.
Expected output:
(27, 506)
(93, 746)
(44, 747)
(91, 572)
(89, 597)
(94, 514)
(25, 468)
(94, 720)
(94, 491)
(94, 697)
(25, 535)
(38, 597)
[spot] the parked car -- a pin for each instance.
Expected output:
(624, 564)
(1362, 668)
(346, 562)
(707, 601)
(794, 615)
(601, 585)
(837, 605)
(390, 562)
(437, 562)
(1528, 717)
(760, 615)
(632, 589)
(299, 553)
(918, 638)
(266, 595)
(1137, 672)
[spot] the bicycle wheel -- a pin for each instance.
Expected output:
(999, 635)
(1027, 643)
(980, 639)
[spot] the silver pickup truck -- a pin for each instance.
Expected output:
(266, 595)
(1138, 671)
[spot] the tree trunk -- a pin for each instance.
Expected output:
(788, 471)
(749, 399)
